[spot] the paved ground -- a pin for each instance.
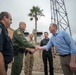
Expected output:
(34, 73)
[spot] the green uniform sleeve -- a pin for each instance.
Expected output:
(20, 37)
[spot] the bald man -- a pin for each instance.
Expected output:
(20, 44)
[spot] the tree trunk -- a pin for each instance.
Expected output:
(35, 30)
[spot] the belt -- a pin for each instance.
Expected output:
(65, 55)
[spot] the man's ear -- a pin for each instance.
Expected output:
(5, 18)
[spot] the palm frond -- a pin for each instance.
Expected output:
(30, 14)
(35, 11)
(31, 19)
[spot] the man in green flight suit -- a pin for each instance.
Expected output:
(20, 46)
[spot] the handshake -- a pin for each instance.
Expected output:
(32, 50)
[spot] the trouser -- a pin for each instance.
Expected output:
(47, 55)
(65, 64)
(29, 59)
(17, 65)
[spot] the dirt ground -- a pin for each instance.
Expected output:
(38, 64)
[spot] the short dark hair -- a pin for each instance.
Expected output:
(2, 14)
(46, 32)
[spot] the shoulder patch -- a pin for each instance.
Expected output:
(18, 32)
(0, 30)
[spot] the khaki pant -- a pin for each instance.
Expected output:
(29, 59)
(65, 64)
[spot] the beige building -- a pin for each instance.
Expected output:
(39, 34)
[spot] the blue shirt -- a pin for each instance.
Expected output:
(63, 43)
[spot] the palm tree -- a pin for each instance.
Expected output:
(34, 13)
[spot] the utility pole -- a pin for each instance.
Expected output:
(59, 15)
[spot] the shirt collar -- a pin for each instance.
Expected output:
(46, 39)
(21, 30)
(56, 33)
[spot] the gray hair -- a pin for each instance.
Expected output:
(2, 14)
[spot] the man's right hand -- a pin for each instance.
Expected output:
(36, 48)
(31, 50)
(39, 48)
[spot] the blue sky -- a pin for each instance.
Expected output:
(19, 10)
